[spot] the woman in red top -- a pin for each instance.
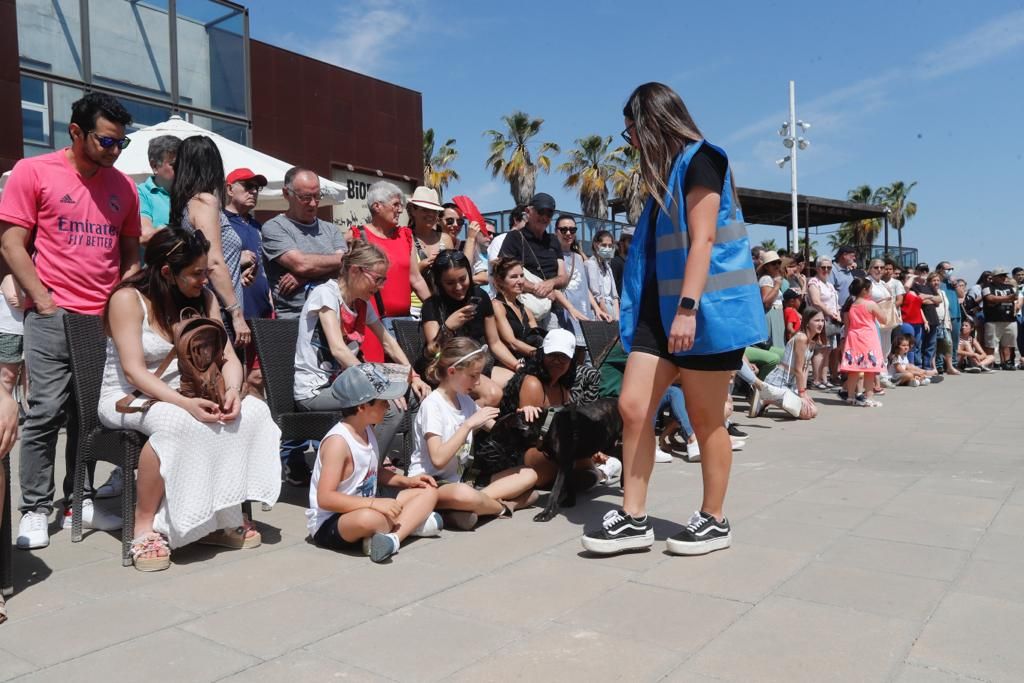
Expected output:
(913, 319)
(385, 203)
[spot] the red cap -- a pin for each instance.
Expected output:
(240, 175)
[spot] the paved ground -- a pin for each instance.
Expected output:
(870, 545)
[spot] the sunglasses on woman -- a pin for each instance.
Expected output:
(567, 231)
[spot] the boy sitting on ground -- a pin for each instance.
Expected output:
(344, 507)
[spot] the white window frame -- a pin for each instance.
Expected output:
(44, 109)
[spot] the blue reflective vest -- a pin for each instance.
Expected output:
(730, 315)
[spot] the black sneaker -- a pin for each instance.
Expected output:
(1009, 366)
(703, 534)
(620, 532)
(735, 431)
(297, 472)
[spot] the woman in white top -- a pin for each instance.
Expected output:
(601, 278)
(576, 298)
(822, 295)
(202, 460)
(944, 340)
(882, 295)
(12, 333)
(770, 282)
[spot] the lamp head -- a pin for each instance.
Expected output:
(782, 162)
(787, 142)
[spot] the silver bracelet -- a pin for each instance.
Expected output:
(232, 308)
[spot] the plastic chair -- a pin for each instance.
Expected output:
(409, 335)
(600, 337)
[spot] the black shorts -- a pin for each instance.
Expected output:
(328, 536)
(650, 338)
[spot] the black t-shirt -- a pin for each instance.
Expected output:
(618, 265)
(439, 307)
(999, 313)
(931, 315)
(539, 255)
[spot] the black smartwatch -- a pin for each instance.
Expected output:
(687, 304)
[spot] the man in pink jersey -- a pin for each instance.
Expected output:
(81, 217)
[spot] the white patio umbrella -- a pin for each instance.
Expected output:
(134, 161)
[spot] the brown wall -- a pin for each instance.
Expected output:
(313, 114)
(11, 147)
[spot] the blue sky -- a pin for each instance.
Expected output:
(921, 91)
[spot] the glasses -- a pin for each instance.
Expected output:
(627, 135)
(378, 280)
(108, 142)
(251, 188)
(306, 198)
(567, 231)
(451, 221)
(824, 267)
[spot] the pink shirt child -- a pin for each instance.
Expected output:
(78, 225)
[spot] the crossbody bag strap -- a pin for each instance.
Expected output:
(526, 245)
(124, 404)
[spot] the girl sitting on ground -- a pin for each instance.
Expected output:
(791, 373)
(443, 436)
(345, 509)
(901, 370)
(862, 355)
(970, 352)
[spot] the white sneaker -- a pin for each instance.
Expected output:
(661, 456)
(34, 530)
(94, 518)
(430, 527)
(915, 383)
(612, 470)
(692, 451)
(737, 443)
(926, 381)
(755, 403)
(113, 486)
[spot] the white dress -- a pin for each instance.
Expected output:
(577, 292)
(209, 470)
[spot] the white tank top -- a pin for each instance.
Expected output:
(362, 481)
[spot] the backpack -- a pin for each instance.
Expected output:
(971, 305)
(198, 343)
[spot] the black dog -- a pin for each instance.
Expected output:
(565, 435)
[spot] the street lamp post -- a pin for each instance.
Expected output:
(793, 143)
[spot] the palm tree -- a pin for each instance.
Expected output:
(894, 197)
(769, 244)
(626, 181)
(864, 231)
(510, 155)
(811, 250)
(589, 169)
(841, 238)
(437, 171)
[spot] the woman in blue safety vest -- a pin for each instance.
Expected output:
(690, 306)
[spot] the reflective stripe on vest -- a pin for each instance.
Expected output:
(723, 235)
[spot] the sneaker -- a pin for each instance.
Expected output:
(703, 534)
(381, 546)
(972, 369)
(1009, 366)
(619, 532)
(738, 444)
(693, 451)
(844, 394)
(297, 472)
(914, 383)
(735, 431)
(662, 456)
(987, 369)
(34, 530)
(113, 486)
(926, 381)
(430, 527)
(460, 519)
(93, 518)
(612, 470)
(755, 403)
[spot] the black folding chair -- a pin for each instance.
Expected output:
(6, 550)
(600, 337)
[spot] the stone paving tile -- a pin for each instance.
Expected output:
(788, 640)
(793, 511)
(271, 626)
(907, 559)
(168, 655)
(684, 621)
(415, 643)
(920, 674)
(764, 532)
(979, 487)
(879, 593)
(1010, 521)
(943, 508)
(857, 494)
(1001, 548)
(302, 665)
(570, 653)
(922, 532)
(49, 596)
(13, 666)
(975, 636)
(1000, 580)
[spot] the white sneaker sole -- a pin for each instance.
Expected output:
(608, 547)
(29, 545)
(700, 548)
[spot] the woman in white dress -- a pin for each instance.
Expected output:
(576, 298)
(202, 460)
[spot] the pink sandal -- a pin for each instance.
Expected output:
(147, 543)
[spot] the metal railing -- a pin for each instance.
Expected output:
(588, 226)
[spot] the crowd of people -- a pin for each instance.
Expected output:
(703, 318)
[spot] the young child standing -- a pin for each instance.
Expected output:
(791, 312)
(344, 508)
(862, 355)
(901, 370)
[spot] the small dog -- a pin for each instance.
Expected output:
(565, 435)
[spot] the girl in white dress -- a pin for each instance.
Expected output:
(202, 460)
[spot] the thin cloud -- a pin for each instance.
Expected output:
(984, 44)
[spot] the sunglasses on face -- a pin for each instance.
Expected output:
(451, 221)
(108, 142)
(627, 134)
(251, 188)
(824, 267)
(567, 231)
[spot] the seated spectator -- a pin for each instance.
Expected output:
(516, 325)
(346, 511)
(155, 192)
(443, 433)
(8, 435)
(601, 278)
(460, 308)
(902, 371)
(972, 356)
(791, 302)
(191, 440)
(335, 320)
(786, 386)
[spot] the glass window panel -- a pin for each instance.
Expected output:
(130, 45)
(33, 90)
(145, 114)
(211, 56)
(231, 131)
(33, 126)
(61, 98)
(50, 36)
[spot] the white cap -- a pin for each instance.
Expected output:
(560, 341)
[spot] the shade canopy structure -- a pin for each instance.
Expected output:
(762, 207)
(134, 162)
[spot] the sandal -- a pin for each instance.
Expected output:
(147, 543)
(3, 610)
(236, 539)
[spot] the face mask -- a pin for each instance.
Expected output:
(606, 252)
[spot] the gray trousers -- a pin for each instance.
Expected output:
(384, 432)
(51, 402)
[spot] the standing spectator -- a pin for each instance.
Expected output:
(579, 302)
(517, 219)
(895, 285)
(770, 281)
(793, 271)
(424, 212)
(843, 272)
(1018, 278)
(948, 286)
(243, 189)
(385, 203)
(155, 192)
(930, 301)
(618, 263)
(48, 202)
(8, 435)
(600, 275)
(197, 203)
(913, 318)
(538, 251)
(301, 251)
(973, 300)
(822, 295)
(12, 333)
(882, 295)
(1001, 306)
(944, 342)
(862, 351)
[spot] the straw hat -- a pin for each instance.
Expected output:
(426, 198)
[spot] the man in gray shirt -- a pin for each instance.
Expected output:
(300, 249)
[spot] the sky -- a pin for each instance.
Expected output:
(921, 91)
